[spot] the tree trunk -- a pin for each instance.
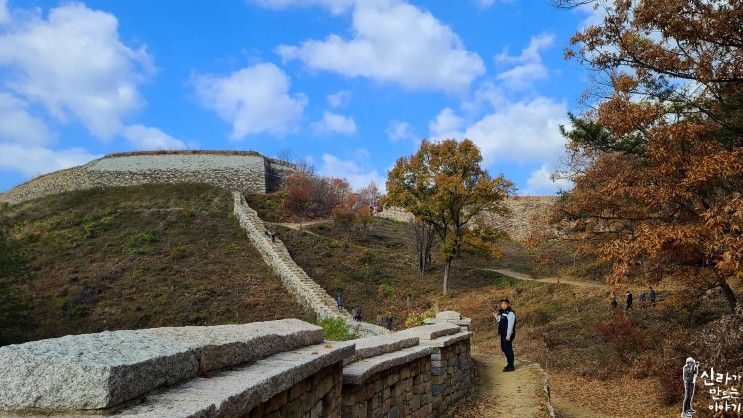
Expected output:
(447, 264)
(729, 295)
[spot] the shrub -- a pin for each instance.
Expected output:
(337, 329)
(386, 290)
(622, 335)
(415, 319)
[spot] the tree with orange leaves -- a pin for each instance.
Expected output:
(657, 162)
(444, 185)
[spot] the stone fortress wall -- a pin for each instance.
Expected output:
(280, 368)
(235, 170)
(305, 290)
(523, 209)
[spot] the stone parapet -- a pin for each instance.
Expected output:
(452, 369)
(300, 382)
(397, 389)
(103, 370)
(305, 290)
(276, 368)
(451, 317)
(431, 332)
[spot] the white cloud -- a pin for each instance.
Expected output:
(522, 76)
(487, 95)
(529, 67)
(596, 13)
(4, 12)
(446, 125)
(356, 170)
(35, 160)
(254, 100)
(525, 131)
(531, 53)
(394, 42)
(540, 182)
(73, 63)
(148, 138)
(400, 131)
(334, 123)
(19, 126)
(335, 6)
(339, 99)
(521, 131)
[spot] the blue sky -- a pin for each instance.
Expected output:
(351, 85)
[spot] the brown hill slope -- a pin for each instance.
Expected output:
(131, 257)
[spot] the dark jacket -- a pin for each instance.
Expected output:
(507, 323)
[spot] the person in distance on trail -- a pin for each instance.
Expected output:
(339, 299)
(652, 296)
(614, 303)
(506, 318)
(628, 304)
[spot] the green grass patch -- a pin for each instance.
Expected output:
(337, 329)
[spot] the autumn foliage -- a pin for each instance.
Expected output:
(312, 197)
(444, 185)
(657, 161)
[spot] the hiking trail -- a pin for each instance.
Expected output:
(555, 280)
(506, 394)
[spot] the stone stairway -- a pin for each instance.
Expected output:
(305, 290)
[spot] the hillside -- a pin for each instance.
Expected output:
(131, 257)
(568, 329)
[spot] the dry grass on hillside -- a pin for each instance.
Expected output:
(132, 257)
(377, 270)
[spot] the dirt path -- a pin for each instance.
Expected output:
(500, 394)
(523, 276)
(298, 226)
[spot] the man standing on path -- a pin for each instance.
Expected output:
(507, 330)
(629, 300)
(652, 296)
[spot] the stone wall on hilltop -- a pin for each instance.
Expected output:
(523, 209)
(235, 170)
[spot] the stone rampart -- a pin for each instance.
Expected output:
(395, 214)
(277, 368)
(452, 369)
(244, 171)
(305, 290)
(223, 369)
(516, 223)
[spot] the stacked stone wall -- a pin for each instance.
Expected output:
(396, 214)
(305, 290)
(516, 223)
(276, 174)
(318, 396)
(247, 172)
(523, 209)
(278, 368)
(401, 391)
(452, 374)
